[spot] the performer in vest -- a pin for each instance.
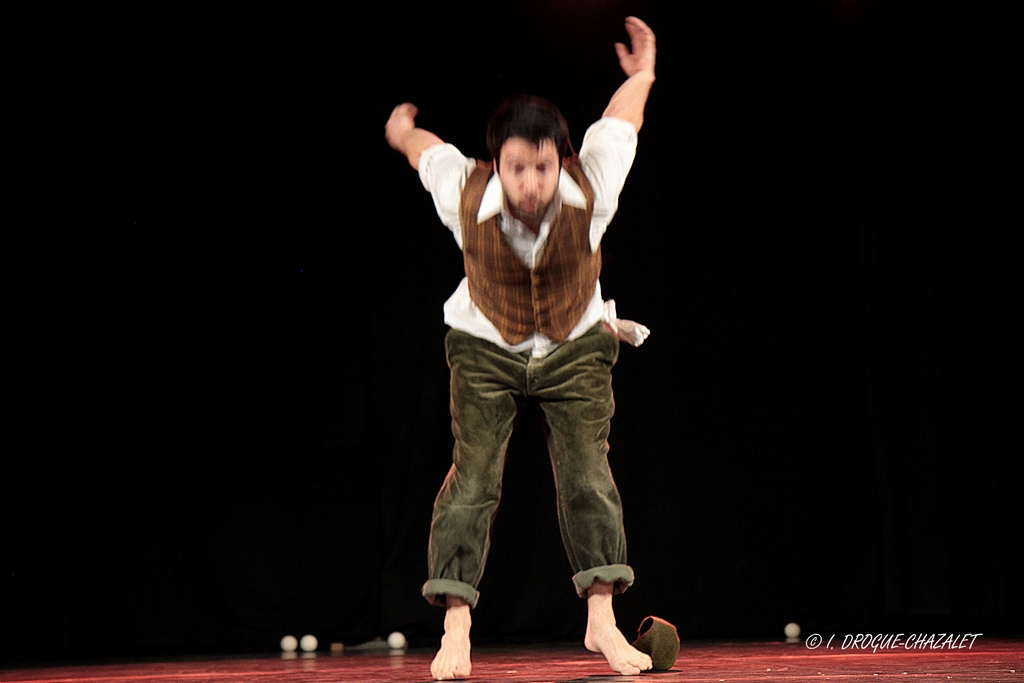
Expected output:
(528, 322)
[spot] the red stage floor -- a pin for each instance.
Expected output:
(986, 661)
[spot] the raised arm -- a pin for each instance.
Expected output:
(403, 135)
(638, 64)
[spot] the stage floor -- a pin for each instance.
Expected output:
(986, 661)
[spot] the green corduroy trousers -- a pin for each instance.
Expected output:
(573, 387)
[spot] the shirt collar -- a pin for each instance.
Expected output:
(490, 205)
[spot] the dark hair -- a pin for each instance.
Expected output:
(531, 118)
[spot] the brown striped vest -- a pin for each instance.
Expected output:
(553, 296)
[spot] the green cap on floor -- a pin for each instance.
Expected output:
(659, 639)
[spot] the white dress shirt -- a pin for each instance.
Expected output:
(606, 156)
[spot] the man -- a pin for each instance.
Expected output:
(526, 322)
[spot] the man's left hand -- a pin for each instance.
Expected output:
(641, 58)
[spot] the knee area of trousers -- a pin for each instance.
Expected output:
(469, 490)
(599, 497)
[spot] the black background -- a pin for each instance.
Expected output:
(234, 415)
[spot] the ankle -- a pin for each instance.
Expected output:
(457, 617)
(599, 603)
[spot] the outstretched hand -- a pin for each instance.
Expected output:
(403, 135)
(641, 57)
(401, 121)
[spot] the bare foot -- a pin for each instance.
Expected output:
(604, 637)
(452, 660)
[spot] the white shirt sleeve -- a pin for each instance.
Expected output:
(606, 156)
(443, 172)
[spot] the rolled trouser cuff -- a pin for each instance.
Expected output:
(437, 590)
(619, 574)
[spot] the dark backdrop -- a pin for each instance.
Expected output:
(235, 414)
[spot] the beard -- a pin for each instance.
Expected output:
(530, 211)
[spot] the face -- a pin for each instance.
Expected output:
(529, 177)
